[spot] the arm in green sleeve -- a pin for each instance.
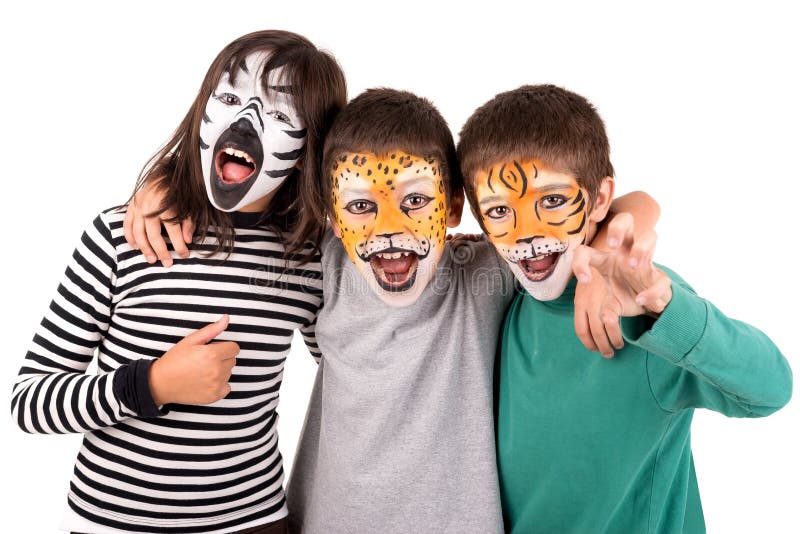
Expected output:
(699, 358)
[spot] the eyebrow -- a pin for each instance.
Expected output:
(426, 177)
(287, 89)
(541, 190)
(355, 192)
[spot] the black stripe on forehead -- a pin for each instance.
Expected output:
(502, 176)
(489, 180)
(522, 177)
(243, 66)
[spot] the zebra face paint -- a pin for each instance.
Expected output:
(391, 216)
(250, 137)
(536, 218)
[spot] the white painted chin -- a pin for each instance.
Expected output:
(401, 290)
(549, 282)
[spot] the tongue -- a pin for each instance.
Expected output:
(399, 266)
(542, 264)
(233, 172)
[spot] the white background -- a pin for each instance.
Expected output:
(700, 104)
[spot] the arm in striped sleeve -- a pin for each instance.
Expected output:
(52, 393)
(310, 338)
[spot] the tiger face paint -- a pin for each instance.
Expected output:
(536, 218)
(250, 137)
(391, 216)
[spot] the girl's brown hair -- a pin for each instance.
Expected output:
(296, 210)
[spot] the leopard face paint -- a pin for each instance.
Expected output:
(392, 216)
(536, 218)
(250, 137)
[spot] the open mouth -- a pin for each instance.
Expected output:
(234, 166)
(539, 268)
(395, 269)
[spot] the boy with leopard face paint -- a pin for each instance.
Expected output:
(586, 444)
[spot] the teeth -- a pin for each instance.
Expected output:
(392, 255)
(239, 154)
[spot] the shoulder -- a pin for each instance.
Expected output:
(331, 248)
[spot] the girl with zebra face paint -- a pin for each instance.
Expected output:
(537, 218)
(180, 424)
(251, 136)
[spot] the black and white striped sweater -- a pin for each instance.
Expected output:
(176, 468)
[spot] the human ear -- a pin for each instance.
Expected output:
(335, 226)
(602, 201)
(455, 208)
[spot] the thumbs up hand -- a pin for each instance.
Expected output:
(195, 371)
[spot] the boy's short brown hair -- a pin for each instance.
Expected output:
(381, 120)
(557, 127)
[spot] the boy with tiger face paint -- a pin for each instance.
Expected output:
(536, 219)
(585, 444)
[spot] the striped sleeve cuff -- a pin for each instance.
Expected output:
(132, 388)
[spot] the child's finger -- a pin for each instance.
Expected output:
(176, 238)
(175, 234)
(600, 336)
(656, 297)
(620, 232)
(583, 331)
(152, 226)
(207, 333)
(127, 225)
(140, 236)
(187, 227)
(613, 331)
(642, 249)
(584, 259)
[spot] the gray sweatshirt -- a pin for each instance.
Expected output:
(399, 435)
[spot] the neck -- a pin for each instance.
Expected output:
(259, 205)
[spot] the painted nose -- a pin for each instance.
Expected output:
(244, 128)
(529, 240)
(388, 236)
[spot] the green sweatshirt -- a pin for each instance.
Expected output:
(592, 445)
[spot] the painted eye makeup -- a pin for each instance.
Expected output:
(360, 207)
(553, 201)
(415, 201)
(498, 212)
(281, 117)
(229, 99)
